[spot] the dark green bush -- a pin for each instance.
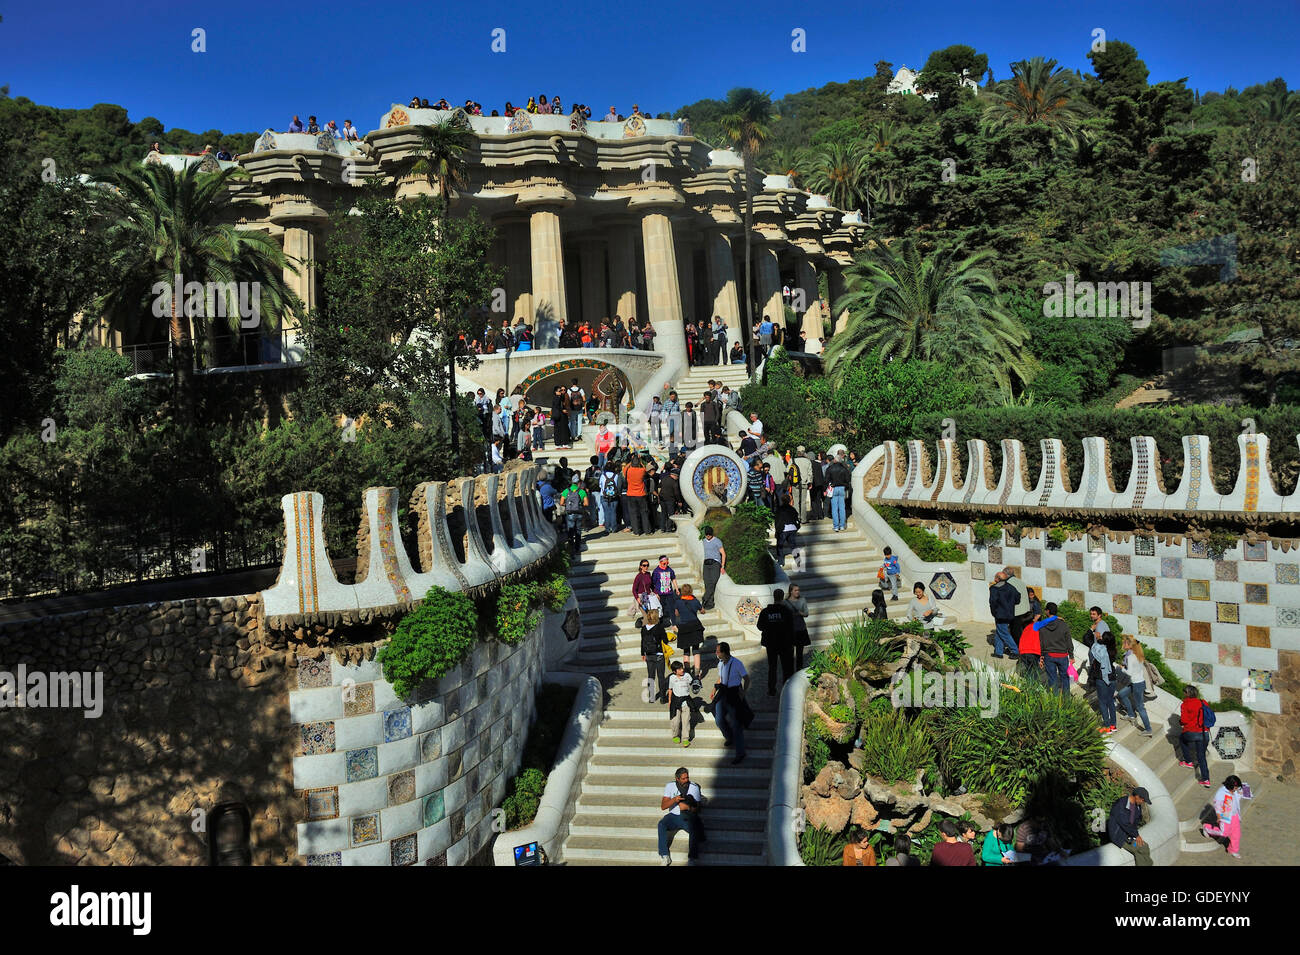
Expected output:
(518, 611)
(744, 535)
(524, 796)
(925, 545)
(429, 640)
(821, 847)
(895, 747)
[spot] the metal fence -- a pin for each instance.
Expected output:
(221, 351)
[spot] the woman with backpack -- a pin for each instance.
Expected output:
(653, 637)
(1192, 716)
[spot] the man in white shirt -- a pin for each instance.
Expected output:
(611, 116)
(755, 427)
(350, 132)
(681, 800)
(729, 700)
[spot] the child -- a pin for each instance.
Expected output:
(539, 431)
(679, 705)
(891, 573)
(1227, 805)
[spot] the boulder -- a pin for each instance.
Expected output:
(848, 784)
(826, 779)
(864, 813)
(921, 824)
(830, 813)
(827, 690)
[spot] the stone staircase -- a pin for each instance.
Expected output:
(694, 383)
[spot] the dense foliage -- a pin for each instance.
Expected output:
(429, 640)
(923, 543)
(744, 535)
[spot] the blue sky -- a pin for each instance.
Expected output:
(347, 58)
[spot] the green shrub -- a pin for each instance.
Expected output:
(1036, 734)
(818, 663)
(857, 643)
(821, 847)
(840, 712)
(895, 747)
(954, 642)
(925, 545)
(518, 611)
(524, 793)
(429, 640)
(555, 591)
(744, 535)
(523, 798)
(984, 533)
(817, 742)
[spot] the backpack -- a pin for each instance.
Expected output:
(592, 480)
(575, 401)
(792, 475)
(610, 491)
(1208, 719)
(573, 501)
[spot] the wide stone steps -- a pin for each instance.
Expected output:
(710, 854)
(647, 817)
(599, 798)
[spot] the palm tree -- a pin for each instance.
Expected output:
(1279, 106)
(441, 157)
(441, 154)
(906, 305)
(164, 224)
(1038, 93)
(745, 125)
(881, 135)
(787, 161)
(839, 172)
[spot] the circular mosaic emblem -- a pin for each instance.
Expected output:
(717, 478)
(1230, 743)
(748, 610)
(943, 586)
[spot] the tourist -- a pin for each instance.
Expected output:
(785, 520)
(532, 105)
(1000, 846)
(715, 564)
(679, 703)
(755, 429)
(1122, 826)
(877, 610)
(312, 128)
(1002, 604)
(561, 479)
(951, 851)
(892, 573)
(664, 580)
(838, 477)
(604, 443)
(776, 624)
(524, 433)
(766, 329)
(576, 404)
(730, 400)
(729, 706)
(1057, 647)
(903, 852)
(1102, 678)
(682, 799)
(609, 492)
(923, 610)
(817, 488)
(738, 354)
(1132, 694)
(509, 109)
(1030, 661)
(332, 128)
(690, 427)
(672, 412)
(1193, 737)
(560, 419)
(719, 332)
(1035, 604)
(1227, 807)
(653, 638)
(692, 345)
(547, 491)
(574, 500)
(669, 498)
(858, 850)
(611, 116)
(690, 632)
(710, 420)
(498, 455)
(543, 106)
(754, 482)
(539, 431)
(637, 511)
(591, 483)
(748, 446)
(296, 125)
(798, 605)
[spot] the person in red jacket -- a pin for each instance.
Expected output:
(1192, 740)
(952, 851)
(1030, 663)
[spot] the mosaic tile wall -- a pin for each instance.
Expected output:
(1218, 623)
(385, 782)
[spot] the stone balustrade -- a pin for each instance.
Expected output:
(307, 590)
(905, 476)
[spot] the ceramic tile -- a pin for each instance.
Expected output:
(1255, 551)
(360, 701)
(1073, 560)
(1145, 586)
(1076, 597)
(1199, 630)
(1147, 627)
(433, 809)
(1198, 590)
(1123, 603)
(976, 572)
(1262, 679)
(403, 850)
(1121, 564)
(1258, 637)
(316, 738)
(1229, 655)
(401, 788)
(322, 803)
(1288, 617)
(1197, 548)
(1173, 609)
(313, 674)
(1257, 593)
(1287, 573)
(1171, 567)
(1175, 649)
(1053, 578)
(995, 555)
(397, 724)
(1096, 543)
(1096, 583)
(1228, 612)
(1033, 557)
(1225, 570)
(326, 858)
(1144, 546)
(365, 829)
(431, 745)
(1233, 694)
(362, 764)
(1202, 673)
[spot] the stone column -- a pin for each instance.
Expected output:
(300, 249)
(836, 289)
(686, 278)
(593, 281)
(622, 271)
(519, 279)
(663, 292)
(722, 282)
(807, 277)
(550, 309)
(768, 271)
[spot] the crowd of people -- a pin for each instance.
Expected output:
(348, 132)
(540, 104)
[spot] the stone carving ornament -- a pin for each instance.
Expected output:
(634, 127)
